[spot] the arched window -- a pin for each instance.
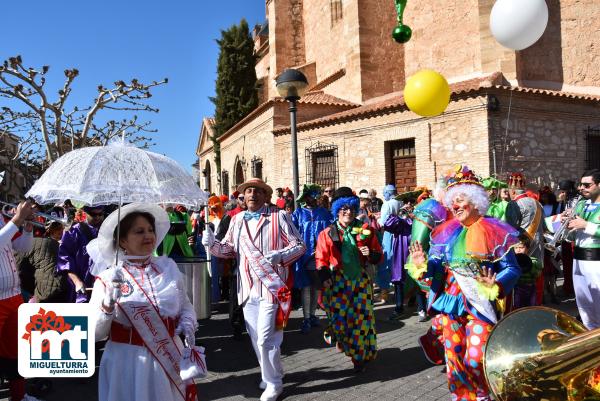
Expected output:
(239, 172)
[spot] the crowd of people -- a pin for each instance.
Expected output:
(466, 252)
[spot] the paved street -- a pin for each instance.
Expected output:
(314, 371)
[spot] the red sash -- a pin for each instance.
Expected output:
(268, 277)
(151, 328)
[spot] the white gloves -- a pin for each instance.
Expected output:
(113, 290)
(274, 257)
(187, 327)
(208, 237)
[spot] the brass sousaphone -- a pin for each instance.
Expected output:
(542, 354)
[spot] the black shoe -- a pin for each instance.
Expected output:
(238, 334)
(395, 316)
(359, 367)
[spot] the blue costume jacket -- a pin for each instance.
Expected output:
(309, 222)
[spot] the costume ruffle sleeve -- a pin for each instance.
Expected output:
(428, 215)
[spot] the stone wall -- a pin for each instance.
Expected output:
(445, 37)
(267, 88)
(545, 137)
(381, 58)
(568, 53)
(334, 45)
(494, 56)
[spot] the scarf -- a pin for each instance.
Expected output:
(350, 257)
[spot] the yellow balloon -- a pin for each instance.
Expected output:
(427, 93)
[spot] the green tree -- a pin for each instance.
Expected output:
(236, 94)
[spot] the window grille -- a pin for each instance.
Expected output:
(257, 167)
(322, 165)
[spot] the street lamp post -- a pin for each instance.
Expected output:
(291, 85)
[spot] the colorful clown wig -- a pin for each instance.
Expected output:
(475, 195)
(351, 201)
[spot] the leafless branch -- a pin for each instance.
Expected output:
(53, 126)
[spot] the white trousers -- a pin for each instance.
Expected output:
(586, 281)
(260, 322)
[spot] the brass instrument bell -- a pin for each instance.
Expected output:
(543, 354)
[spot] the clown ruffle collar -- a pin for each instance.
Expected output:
(486, 240)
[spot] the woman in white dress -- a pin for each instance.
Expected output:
(141, 306)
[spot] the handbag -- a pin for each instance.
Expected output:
(193, 363)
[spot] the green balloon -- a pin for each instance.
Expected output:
(402, 33)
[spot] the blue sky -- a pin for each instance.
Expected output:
(109, 40)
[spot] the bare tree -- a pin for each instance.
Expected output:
(21, 151)
(59, 130)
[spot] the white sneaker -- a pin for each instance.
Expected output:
(271, 394)
(262, 385)
(422, 316)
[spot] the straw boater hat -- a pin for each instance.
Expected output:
(256, 183)
(102, 249)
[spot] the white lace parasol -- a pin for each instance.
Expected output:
(117, 173)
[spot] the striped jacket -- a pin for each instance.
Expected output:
(274, 232)
(9, 277)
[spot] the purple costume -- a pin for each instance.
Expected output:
(400, 229)
(73, 258)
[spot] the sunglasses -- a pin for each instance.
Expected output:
(96, 214)
(240, 198)
(586, 184)
(327, 190)
(346, 208)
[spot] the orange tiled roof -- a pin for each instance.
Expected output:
(322, 98)
(569, 95)
(395, 102)
(317, 98)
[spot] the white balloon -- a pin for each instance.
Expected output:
(517, 24)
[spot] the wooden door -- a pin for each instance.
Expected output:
(402, 164)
